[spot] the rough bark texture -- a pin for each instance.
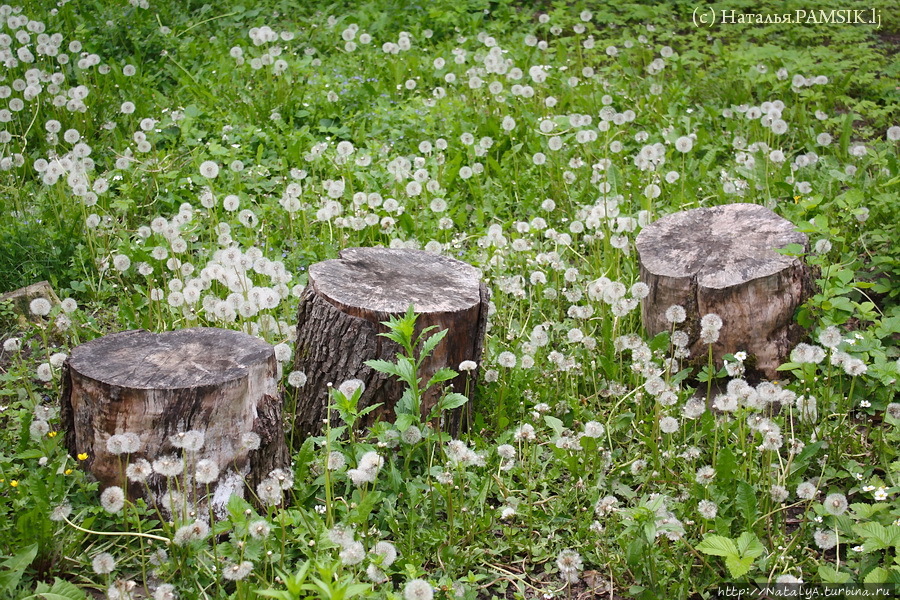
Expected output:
(340, 317)
(722, 260)
(156, 385)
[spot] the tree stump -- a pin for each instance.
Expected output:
(722, 260)
(22, 297)
(218, 382)
(340, 317)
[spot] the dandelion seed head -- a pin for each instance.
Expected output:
(138, 470)
(113, 499)
(387, 551)
(103, 563)
(835, 504)
(206, 471)
(806, 490)
(40, 307)
(168, 466)
(237, 572)
(418, 589)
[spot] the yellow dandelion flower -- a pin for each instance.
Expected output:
(51, 434)
(68, 472)
(83, 456)
(14, 482)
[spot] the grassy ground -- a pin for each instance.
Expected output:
(173, 164)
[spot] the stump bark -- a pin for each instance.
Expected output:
(722, 260)
(340, 317)
(220, 382)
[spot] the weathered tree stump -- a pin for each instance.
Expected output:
(218, 382)
(22, 297)
(722, 260)
(340, 317)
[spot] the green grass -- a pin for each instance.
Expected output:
(542, 182)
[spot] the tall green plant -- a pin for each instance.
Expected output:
(416, 349)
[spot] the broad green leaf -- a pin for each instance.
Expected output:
(60, 590)
(362, 511)
(738, 566)
(828, 574)
(634, 552)
(404, 421)
(405, 404)
(717, 545)
(236, 507)
(749, 545)
(555, 424)
(356, 589)
(441, 375)
(396, 336)
(877, 536)
(453, 400)
(383, 366)
(15, 567)
(726, 467)
(369, 409)
(22, 559)
(279, 594)
(745, 501)
(876, 575)
(429, 344)
(406, 370)
(866, 511)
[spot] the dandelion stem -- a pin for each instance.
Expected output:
(206, 21)
(149, 536)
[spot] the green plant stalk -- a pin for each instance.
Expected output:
(329, 500)
(149, 536)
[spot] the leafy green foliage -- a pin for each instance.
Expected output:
(738, 554)
(531, 141)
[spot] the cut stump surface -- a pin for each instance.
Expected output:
(723, 260)
(340, 317)
(216, 381)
